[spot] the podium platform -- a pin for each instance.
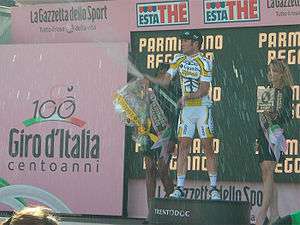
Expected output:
(200, 212)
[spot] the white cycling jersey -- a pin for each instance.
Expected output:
(192, 70)
(196, 113)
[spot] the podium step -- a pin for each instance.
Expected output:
(200, 212)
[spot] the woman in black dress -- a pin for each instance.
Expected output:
(281, 80)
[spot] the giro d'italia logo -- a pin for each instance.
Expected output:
(162, 13)
(60, 106)
(225, 11)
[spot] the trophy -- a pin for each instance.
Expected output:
(268, 99)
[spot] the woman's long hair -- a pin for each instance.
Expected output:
(281, 67)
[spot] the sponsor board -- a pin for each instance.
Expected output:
(284, 8)
(230, 191)
(221, 11)
(162, 13)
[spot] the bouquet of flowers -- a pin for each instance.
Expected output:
(274, 135)
(132, 103)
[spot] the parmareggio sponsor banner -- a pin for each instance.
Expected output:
(240, 58)
(60, 139)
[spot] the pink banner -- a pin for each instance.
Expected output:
(113, 20)
(73, 22)
(62, 144)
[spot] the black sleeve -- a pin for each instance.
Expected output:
(287, 220)
(285, 114)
